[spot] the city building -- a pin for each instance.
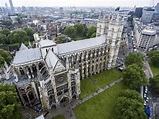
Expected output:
(50, 73)
(145, 35)
(157, 8)
(11, 6)
(147, 14)
(138, 12)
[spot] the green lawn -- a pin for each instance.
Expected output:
(59, 117)
(106, 77)
(154, 70)
(87, 88)
(101, 106)
(101, 79)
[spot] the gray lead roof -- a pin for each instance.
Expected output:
(80, 45)
(24, 56)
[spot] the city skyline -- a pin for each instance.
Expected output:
(80, 3)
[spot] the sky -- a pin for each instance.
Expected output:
(89, 3)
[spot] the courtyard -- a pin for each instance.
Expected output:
(100, 106)
(95, 82)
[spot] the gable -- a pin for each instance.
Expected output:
(59, 67)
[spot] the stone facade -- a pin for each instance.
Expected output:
(51, 73)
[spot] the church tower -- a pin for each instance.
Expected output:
(112, 26)
(114, 37)
(102, 26)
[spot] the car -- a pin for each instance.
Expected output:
(135, 50)
(145, 91)
(144, 103)
(146, 88)
(145, 95)
(147, 99)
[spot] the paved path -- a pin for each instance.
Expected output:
(67, 109)
(95, 83)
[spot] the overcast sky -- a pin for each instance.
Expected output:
(90, 3)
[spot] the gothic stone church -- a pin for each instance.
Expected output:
(51, 73)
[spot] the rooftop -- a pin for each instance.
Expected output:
(149, 32)
(25, 56)
(45, 43)
(80, 45)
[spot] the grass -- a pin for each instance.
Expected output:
(155, 70)
(107, 77)
(87, 88)
(101, 79)
(59, 117)
(101, 106)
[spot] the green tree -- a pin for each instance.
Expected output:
(80, 29)
(134, 77)
(154, 57)
(150, 54)
(155, 60)
(134, 58)
(154, 84)
(9, 105)
(29, 32)
(18, 19)
(4, 56)
(93, 35)
(60, 38)
(7, 22)
(18, 36)
(70, 31)
(2, 39)
(5, 31)
(91, 32)
(129, 105)
(132, 95)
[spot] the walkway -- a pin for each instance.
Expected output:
(67, 109)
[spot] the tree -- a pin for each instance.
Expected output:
(134, 58)
(154, 57)
(134, 77)
(4, 56)
(129, 105)
(93, 35)
(5, 31)
(9, 105)
(60, 38)
(18, 19)
(155, 60)
(29, 32)
(70, 31)
(154, 84)
(7, 22)
(2, 39)
(80, 30)
(132, 95)
(18, 36)
(91, 32)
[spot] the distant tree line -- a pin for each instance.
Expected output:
(79, 31)
(16, 36)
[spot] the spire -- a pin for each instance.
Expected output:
(23, 47)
